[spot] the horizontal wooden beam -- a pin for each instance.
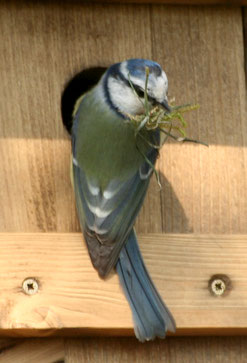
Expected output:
(72, 299)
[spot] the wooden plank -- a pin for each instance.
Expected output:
(40, 54)
(178, 2)
(34, 350)
(114, 350)
(201, 192)
(244, 14)
(72, 298)
(172, 350)
(205, 189)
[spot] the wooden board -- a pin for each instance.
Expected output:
(121, 349)
(33, 350)
(245, 41)
(204, 189)
(72, 298)
(172, 350)
(178, 2)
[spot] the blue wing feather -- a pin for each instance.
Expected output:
(107, 222)
(151, 317)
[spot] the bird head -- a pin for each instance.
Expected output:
(120, 95)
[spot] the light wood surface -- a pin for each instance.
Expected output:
(204, 188)
(72, 296)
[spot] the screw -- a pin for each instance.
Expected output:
(219, 284)
(30, 286)
(218, 287)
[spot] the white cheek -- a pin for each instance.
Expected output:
(161, 87)
(124, 98)
(165, 81)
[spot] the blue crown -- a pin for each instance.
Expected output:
(137, 67)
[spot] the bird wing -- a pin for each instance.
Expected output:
(107, 216)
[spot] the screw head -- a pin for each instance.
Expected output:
(219, 284)
(218, 287)
(30, 286)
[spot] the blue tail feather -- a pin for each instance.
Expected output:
(151, 316)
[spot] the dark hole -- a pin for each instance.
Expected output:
(78, 85)
(139, 91)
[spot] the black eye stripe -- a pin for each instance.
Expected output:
(140, 93)
(138, 89)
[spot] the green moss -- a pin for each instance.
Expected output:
(158, 118)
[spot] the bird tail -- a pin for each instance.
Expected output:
(151, 317)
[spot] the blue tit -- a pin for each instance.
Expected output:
(111, 173)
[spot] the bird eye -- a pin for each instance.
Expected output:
(139, 91)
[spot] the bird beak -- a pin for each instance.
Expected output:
(165, 105)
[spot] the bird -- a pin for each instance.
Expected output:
(111, 171)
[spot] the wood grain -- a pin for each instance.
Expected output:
(178, 2)
(73, 298)
(37, 56)
(34, 350)
(35, 151)
(244, 15)
(172, 350)
(205, 189)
